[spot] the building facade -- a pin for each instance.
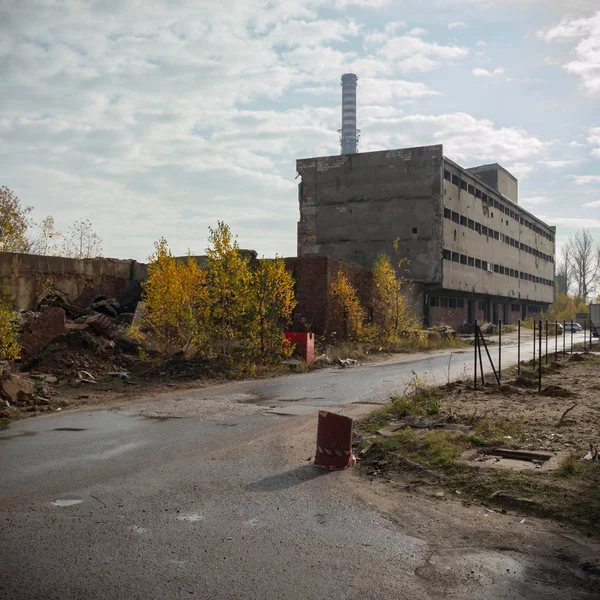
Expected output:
(472, 252)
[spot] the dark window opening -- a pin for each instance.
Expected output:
(463, 259)
(446, 176)
(455, 257)
(447, 254)
(447, 213)
(456, 180)
(470, 261)
(471, 224)
(414, 230)
(463, 220)
(478, 263)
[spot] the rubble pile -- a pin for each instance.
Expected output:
(65, 344)
(62, 339)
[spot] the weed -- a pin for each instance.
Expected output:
(569, 467)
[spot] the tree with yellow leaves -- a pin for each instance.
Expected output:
(176, 303)
(272, 302)
(346, 315)
(392, 316)
(14, 221)
(229, 280)
(9, 341)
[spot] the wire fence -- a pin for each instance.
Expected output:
(544, 334)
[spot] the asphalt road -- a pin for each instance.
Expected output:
(112, 504)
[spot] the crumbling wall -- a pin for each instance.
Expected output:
(24, 277)
(353, 207)
(312, 276)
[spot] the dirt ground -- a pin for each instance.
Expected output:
(459, 444)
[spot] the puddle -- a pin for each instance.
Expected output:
(69, 429)
(63, 502)
(17, 435)
(190, 517)
(158, 417)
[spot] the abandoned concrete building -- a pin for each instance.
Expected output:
(473, 253)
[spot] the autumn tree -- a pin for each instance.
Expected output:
(45, 240)
(391, 313)
(346, 315)
(271, 304)
(9, 340)
(81, 241)
(229, 279)
(176, 303)
(13, 222)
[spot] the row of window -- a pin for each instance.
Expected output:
(443, 302)
(489, 201)
(492, 268)
(483, 230)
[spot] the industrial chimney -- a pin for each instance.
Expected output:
(349, 135)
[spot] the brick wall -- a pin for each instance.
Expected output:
(41, 331)
(313, 276)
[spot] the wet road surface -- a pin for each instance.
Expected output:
(112, 504)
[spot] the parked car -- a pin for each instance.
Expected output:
(573, 327)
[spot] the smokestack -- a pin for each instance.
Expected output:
(349, 135)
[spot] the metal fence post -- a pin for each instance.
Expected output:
(476, 341)
(584, 333)
(519, 347)
(571, 337)
(534, 327)
(540, 360)
(499, 351)
(556, 340)
(546, 341)
(564, 337)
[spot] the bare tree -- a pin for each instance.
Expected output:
(584, 261)
(81, 241)
(46, 237)
(563, 268)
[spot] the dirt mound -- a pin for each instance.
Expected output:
(577, 358)
(525, 382)
(556, 391)
(79, 350)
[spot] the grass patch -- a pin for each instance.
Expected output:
(570, 467)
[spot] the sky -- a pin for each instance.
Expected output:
(156, 118)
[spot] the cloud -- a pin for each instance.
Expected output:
(557, 164)
(457, 25)
(414, 54)
(572, 222)
(478, 72)
(535, 200)
(480, 44)
(594, 140)
(467, 140)
(417, 32)
(595, 204)
(585, 32)
(586, 179)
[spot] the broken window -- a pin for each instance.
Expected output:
(471, 189)
(455, 217)
(444, 302)
(463, 259)
(434, 301)
(447, 254)
(455, 257)
(478, 227)
(471, 224)
(470, 261)
(477, 263)
(447, 213)
(484, 265)
(447, 177)
(456, 180)
(463, 220)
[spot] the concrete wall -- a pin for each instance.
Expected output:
(353, 207)
(498, 178)
(464, 239)
(81, 280)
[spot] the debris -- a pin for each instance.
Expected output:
(101, 324)
(593, 454)
(122, 375)
(391, 430)
(107, 306)
(565, 414)
(44, 378)
(16, 389)
(347, 362)
(86, 377)
(322, 359)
